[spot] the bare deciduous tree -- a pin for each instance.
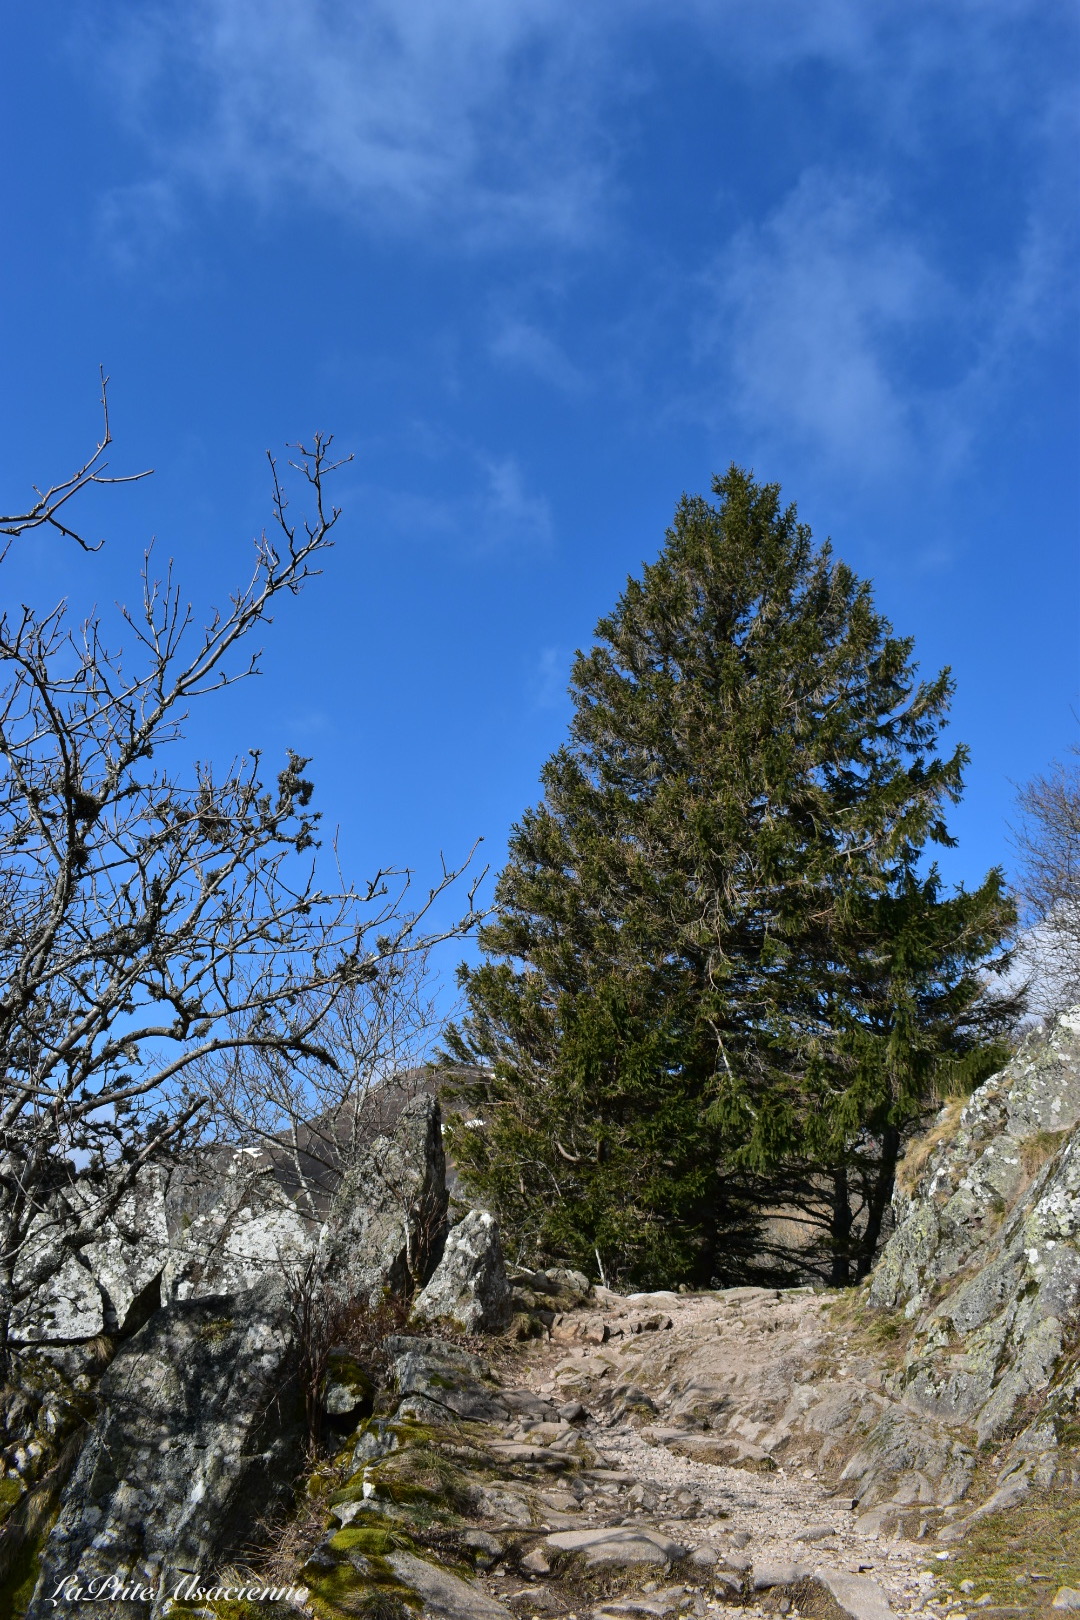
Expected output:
(311, 1119)
(150, 921)
(1048, 841)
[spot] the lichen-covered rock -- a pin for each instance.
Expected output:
(249, 1231)
(469, 1287)
(985, 1257)
(388, 1223)
(109, 1285)
(441, 1381)
(199, 1433)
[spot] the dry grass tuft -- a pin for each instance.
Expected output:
(1037, 1150)
(917, 1157)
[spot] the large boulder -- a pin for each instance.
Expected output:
(387, 1226)
(109, 1285)
(199, 1434)
(469, 1288)
(985, 1256)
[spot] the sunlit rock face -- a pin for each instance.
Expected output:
(986, 1252)
(469, 1288)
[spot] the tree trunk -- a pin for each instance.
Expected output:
(879, 1198)
(840, 1228)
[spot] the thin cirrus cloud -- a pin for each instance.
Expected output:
(495, 513)
(395, 111)
(835, 329)
(812, 309)
(496, 117)
(526, 347)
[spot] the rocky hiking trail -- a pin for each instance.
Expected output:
(532, 1445)
(618, 1469)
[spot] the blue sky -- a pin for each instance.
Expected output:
(541, 266)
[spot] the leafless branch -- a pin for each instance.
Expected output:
(51, 502)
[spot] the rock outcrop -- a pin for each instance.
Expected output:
(469, 1288)
(110, 1285)
(387, 1226)
(199, 1433)
(985, 1258)
(199, 1425)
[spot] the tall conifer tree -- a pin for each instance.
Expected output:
(721, 967)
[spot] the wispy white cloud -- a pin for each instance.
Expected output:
(493, 120)
(837, 327)
(521, 344)
(489, 510)
(812, 307)
(396, 111)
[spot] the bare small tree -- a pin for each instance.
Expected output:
(311, 1119)
(1048, 842)
(151, 921)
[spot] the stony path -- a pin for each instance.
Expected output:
(645, 1368)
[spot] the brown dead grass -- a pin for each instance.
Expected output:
(918, 1154)
(1037, 1150)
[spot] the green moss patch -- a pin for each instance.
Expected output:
(10, 1492)
(1004, 1552)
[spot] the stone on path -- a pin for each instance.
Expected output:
(445, 1596)
(618, 1547)
(469, 1286)
(858, 1596)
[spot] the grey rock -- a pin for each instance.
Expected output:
(388, 1222)
(767, 1573)
(1066, 1597)
(445, 1596)
(617, 1548)
(111, 1284)
(249, 1230)
(729, 1584)
(650, 1608)
(198, 1435)
(903, 1445)
(985, 1258)
(857, 1596)
(815, 1532)
(483, 1542)
(704, 1557)
(469, 1286)
(439, 1380)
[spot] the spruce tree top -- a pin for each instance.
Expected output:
(718, 945)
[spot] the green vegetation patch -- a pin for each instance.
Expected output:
(373, 1543)
(1004, 1553)
(10, 1491)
